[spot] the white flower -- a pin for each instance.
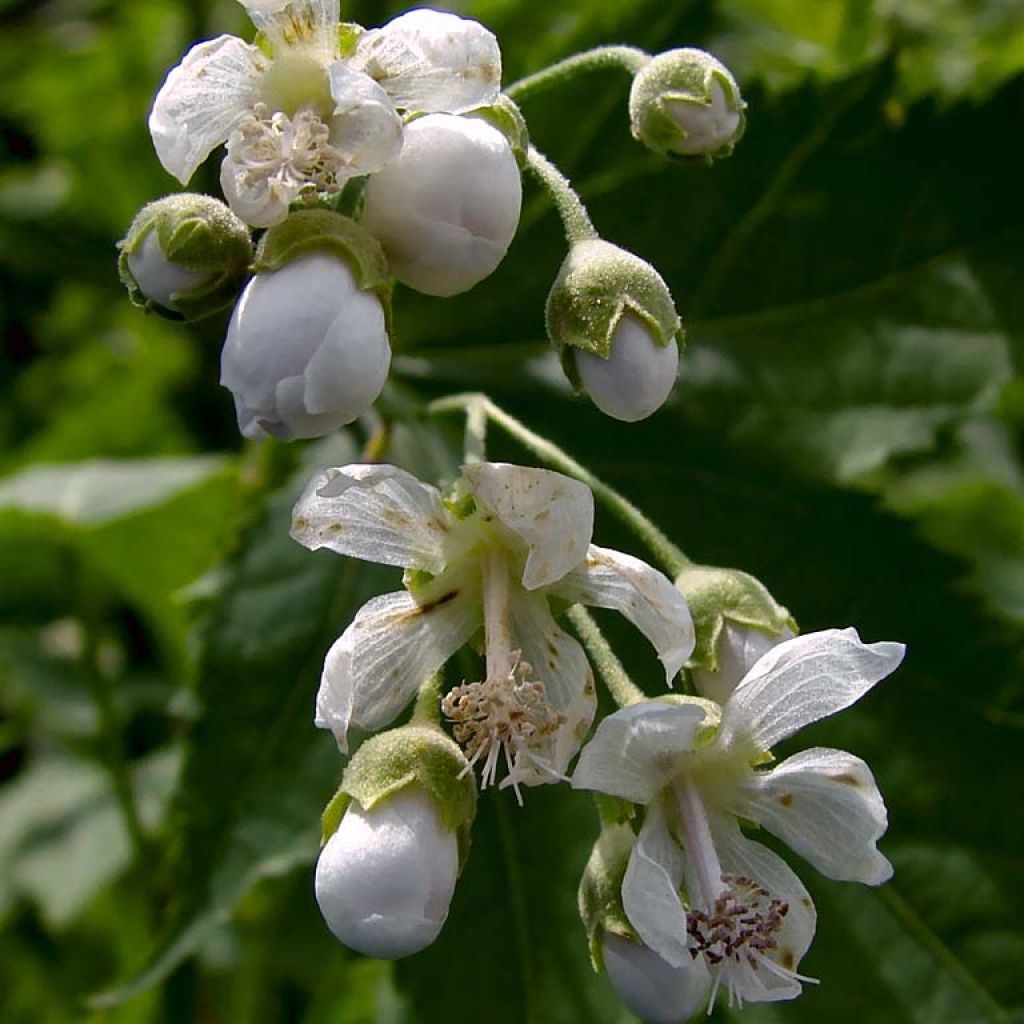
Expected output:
(306, 351)
(301, 122)
(649, 986)
(745, 920)
(494, 555)
(637, 376)
(385, 879)
(739, 647)
(447, 208)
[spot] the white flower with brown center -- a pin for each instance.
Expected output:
(493, 555)
(299, 116)
(698, 892)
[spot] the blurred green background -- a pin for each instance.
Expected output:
(848, 426)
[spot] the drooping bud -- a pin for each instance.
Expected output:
(447, 208)
(185, 256)
(395, 835)
(307, 348)
(651, 987)
(612, 316)
(736, 620)
(686, 103)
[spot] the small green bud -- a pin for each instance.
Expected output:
(611, 315)
(686, 103)
(411, 755)
(600, 892)
(736, 620)
(185, 256)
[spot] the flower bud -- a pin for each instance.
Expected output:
(651, 987)
(686, 103)
(613, 317)
(307, 348)
(736, 621)
(395, 835)
(385, 879)
(185, 256)
(447, 208)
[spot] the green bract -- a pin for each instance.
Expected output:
(392, 760)
(600, 892)
(717, 596)
(184, 256)
(598, 283)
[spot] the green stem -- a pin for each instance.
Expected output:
(427, 710)
(575, 219)
(671, 559)
(623, 690)
(475, 443)
(102, 695)
(629, 58)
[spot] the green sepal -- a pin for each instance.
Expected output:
(717, 596)
(682, 76)
(197, 233)
(319, 230)
(418, 755)
(599, 282)
(600, 892)
(506, 116)
(349, 33)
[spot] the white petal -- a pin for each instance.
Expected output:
(739, 648)
(297, 25)
(429, 61)
(635, 752)
(216, 84)
(650, 986)
(559, 663)
(376, 513)
(260, 201)
(825, 804)
(650, 890)
(803, 680)
(741, 856)
(611, 579)
(365, 127)
(552, 513)
(391, 648)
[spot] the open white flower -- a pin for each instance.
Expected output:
(745, 919)
(510, 539)
(300, 122)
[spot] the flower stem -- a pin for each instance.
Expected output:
(427, 710)
(670, 557)
(575, 219)
(474, 445)
(629, 58)
(623, 690)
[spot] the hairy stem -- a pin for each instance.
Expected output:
(622, 689)
(575, 219)
(628, 58)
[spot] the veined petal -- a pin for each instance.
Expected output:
(611, 579)
(310, 25)
(390, 649)
(825, 805)
(376, 513)
(741, 856)
(635, 752)
(803, 680)
(650, 890)
(365, 127)
(739, 648)
(432, 62)
(552, 513)
(201, 101)
(557, 661)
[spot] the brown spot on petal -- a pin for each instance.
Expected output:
(300, 522)
(787, 959)
(334, 528)
(425, 609)
(847, 779)
(786, 799)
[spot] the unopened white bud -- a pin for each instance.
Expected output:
(739, 647)
(637, 376)
(649, 986)
(158, 278)
(686, 103)
(306, 351)
(385, 879)
(447, 208)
